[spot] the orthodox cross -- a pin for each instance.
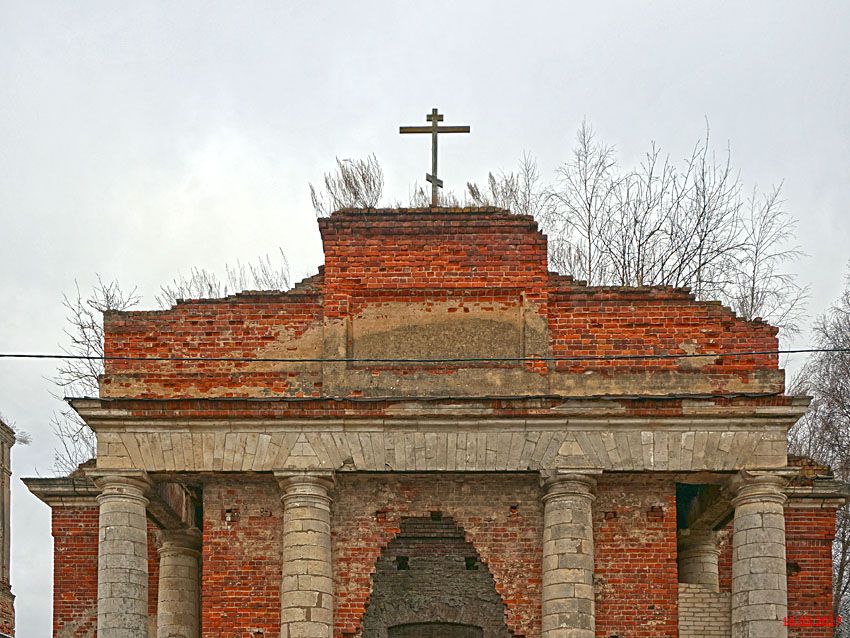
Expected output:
(434, 129)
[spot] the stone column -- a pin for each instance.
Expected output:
(698, 554)
(7, 600)
(178, 606)
(307, 600)
(122, 556)
(568, 594)
(759, 589)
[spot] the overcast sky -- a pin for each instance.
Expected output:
(140, 139)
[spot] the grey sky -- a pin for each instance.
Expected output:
(139, 139)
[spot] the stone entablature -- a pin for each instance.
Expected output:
(452, 437)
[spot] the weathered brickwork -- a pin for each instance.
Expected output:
(430, 250)
(153, 576)
(809, 533)
(75, 539)
(241, 558)
(703, 613)
(724, 561)
(593, 321)
(74, 571)
(439, 283)
(429, 572)
(635, 537)
(7, 614)
(501, 516)
(246, 325)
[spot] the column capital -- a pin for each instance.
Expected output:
(290, 479)
(180, 541)
(127, 484)
(560, 484)
(758, 487)
(305, 485)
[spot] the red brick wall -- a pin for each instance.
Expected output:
(75, 533)
(635, 540)
(153, 573)
(808, 540)
(501, 516)
(724, 566)
(75, 571)
(419, 250)
(246, 325)
(610, 320)
(7, 614)
(413, 256)
(241, 559)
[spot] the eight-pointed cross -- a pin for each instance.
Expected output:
(434, 117)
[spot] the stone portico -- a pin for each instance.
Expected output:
(415, 437)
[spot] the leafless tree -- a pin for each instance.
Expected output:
(578, 205)
(200, 283)
(354, 184)
(520, 192)
(661, 223)
(760, 286)
(824, 432)
(79, 377)
(636, 238)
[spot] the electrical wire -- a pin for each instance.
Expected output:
(577, 358)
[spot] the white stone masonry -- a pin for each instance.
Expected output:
(759, 588)
(122, 556)
(307, 600)
(179, 598)
(698, 555)
(568, 593)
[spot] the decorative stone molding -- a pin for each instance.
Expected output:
(568, 593)
(178, 606)
(122, 574)
(759, 586)
(444, 444)
(307, 595)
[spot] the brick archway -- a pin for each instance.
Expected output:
(429, 582)
(435, 630)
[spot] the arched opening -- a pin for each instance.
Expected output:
(435, 630)
(429, 582)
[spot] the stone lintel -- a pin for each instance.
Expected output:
(163, 512)
(423, 444)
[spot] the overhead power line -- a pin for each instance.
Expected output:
(604, 357)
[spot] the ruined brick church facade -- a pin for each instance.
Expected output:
(430, 438)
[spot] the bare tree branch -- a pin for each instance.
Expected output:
(80, 377)
(200, 283)
(354, 184)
